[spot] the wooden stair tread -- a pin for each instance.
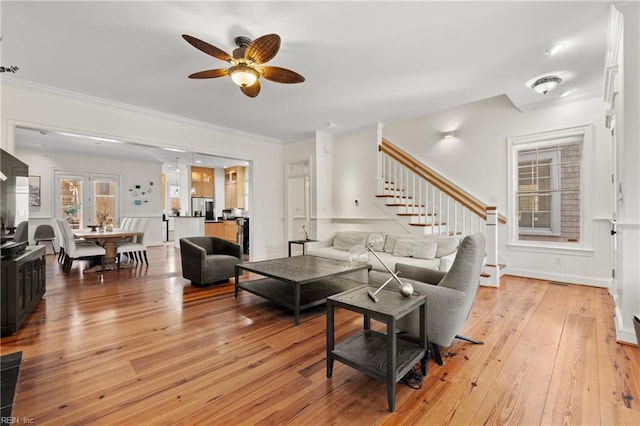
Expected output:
(404, 197)
(416, 214)
(428, 224)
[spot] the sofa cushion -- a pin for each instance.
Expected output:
(329, 253)
(413, 247)
(345, 240)
(447, 245)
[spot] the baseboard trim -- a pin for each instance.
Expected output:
(572, 279)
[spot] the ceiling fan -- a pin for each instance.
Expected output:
(247, 62)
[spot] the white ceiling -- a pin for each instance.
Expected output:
(364, 62)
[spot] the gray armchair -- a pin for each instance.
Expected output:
(450, 295)
(208, 260)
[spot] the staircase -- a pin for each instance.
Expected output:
(430, 204)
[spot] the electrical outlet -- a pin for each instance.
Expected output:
(557, 260)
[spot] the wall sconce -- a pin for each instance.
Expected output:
(449, 135)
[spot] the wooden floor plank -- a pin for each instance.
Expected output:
(142, 346)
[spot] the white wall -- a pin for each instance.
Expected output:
(357, 179)
(57, 110)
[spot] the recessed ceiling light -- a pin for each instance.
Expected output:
(566, 93)
(331, 124)
(198, 161)
(555, 49)
(449, 135)
(174, 150)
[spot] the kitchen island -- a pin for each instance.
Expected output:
(230, 230)
(187, 226)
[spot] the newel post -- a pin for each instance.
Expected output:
(492, 267)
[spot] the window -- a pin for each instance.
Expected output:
(105, 201)
(86, 198)
(547, 187)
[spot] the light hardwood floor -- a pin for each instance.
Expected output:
(142, 346)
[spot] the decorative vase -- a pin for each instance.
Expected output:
(101, 227)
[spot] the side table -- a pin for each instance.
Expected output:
(379, 355)
(301, 242)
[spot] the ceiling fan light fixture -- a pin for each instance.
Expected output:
(243, 76)
(546, 84)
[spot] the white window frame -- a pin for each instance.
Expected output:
(542, 139)
(88, 196)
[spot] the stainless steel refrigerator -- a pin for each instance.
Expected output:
(201, 206)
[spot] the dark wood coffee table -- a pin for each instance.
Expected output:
(301, 282)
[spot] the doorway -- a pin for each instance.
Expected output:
(298, 199)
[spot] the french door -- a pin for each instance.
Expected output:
(84, 198)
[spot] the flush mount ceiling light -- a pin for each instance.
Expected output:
(546, 84)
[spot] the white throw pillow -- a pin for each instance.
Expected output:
(418, 248)
(447, 245)
(345, 240)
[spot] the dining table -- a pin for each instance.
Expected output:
(108, 240)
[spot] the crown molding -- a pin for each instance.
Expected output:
(133, 108)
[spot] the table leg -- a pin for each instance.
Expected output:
(296, 303)
(330, 338)
(423, 340)
(237, 280)
(289, 248)
(367, 322)
(391, 364)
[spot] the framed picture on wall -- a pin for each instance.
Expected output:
(34, 191)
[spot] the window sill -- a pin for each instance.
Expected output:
(551, 249)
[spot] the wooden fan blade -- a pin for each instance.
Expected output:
(253, 90)
(281, 75)
(207, 48)
(220, 72)
(263, 49)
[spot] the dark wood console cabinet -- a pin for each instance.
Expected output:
(23, 285)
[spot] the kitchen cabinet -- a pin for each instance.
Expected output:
(227, 230)
(234, 187)
(202, 182)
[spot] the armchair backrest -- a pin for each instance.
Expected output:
(464, 274)
(20, 234)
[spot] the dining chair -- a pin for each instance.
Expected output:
(44, 233)
(137, 248)
(21, 233)
(78, 250)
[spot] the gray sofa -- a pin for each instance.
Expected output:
(435, 252)
(208, 260)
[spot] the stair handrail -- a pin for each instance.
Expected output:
(468, 201)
